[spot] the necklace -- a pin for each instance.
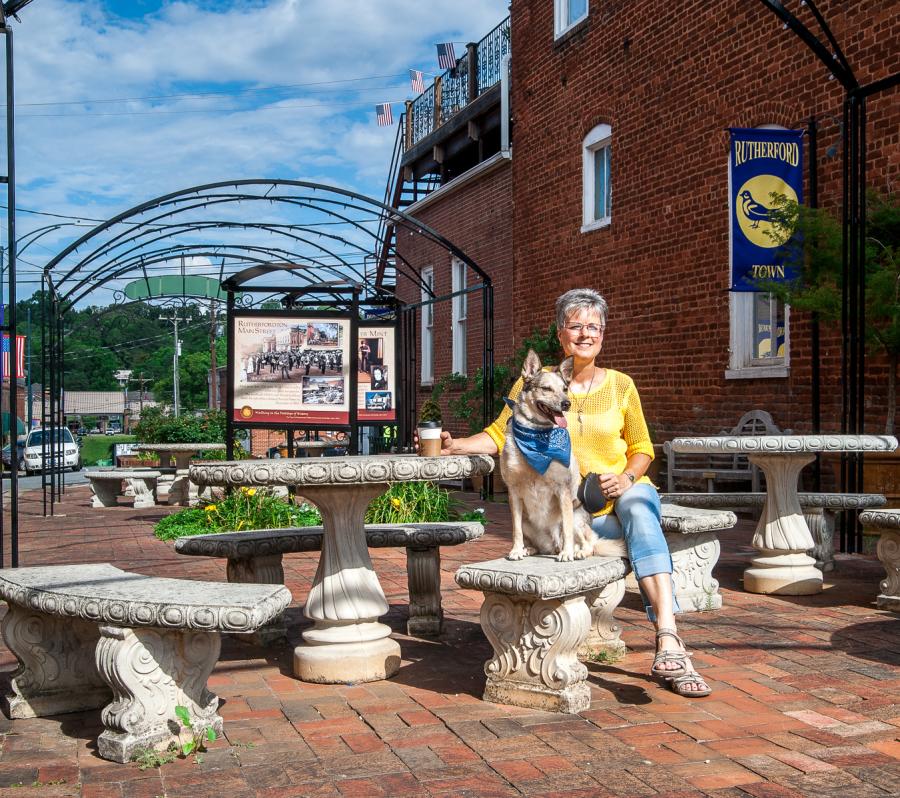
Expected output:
(579, 411)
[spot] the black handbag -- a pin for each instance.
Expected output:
(590, 494)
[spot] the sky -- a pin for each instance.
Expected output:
(121, 101)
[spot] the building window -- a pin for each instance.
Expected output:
(567, 14)
(428, 326)
(596, 178)
(460, 311)
(760, 333)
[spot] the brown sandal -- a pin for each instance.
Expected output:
(678, 657)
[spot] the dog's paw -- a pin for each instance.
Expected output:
(529, 550)
(566, 555)
(518, 553)
(580, 554)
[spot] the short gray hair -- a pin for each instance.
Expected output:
(580, 299)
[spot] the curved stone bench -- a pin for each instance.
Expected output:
(537, 615)
(886, 524)
(819, 511)
(106, 486)
(87, 636)
(256, 556)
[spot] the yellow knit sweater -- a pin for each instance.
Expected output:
(613, 427)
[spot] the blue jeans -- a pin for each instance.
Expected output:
(636, 517)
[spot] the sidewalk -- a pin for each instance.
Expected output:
(806, 695)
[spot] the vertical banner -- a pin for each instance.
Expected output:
(291, 369)
(377, 373)
(20, 358)
(761, 163)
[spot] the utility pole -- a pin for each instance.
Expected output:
(213, 370)
(175, 395)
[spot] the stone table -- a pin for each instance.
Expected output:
(175, 481)
(347, 642)
(782, 536)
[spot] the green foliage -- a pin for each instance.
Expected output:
(246, 508)
(196, 743)
(156, 426)
(406, 502)
(95, 448)
(147, 758)
(429, 411)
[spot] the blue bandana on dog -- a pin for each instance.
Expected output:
(540, 447)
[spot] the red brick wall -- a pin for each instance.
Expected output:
(477, 218)
(686, 74)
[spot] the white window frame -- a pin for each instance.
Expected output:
(598, 139)
(742, 362)
(560, 16)
(460, 314)
(427, 275)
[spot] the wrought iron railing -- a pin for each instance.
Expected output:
(476, 72)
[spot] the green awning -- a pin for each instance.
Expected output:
(4, 421)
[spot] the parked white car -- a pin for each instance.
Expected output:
(66, 451)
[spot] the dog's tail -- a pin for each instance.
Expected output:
(610, 547)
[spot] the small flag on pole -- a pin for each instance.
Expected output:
(20, 357)
(383, 114)
(446, 56)
(415, 78)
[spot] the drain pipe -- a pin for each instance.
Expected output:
(504, 104)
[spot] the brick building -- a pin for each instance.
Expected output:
(618, 179)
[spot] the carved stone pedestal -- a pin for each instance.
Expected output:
(693, 558)
(821, 527)
(536, 617)
(105, 492)
(604, 635)
(143, 488)
(56, 672)
(151, 671)
(886, 524)
(423, 571)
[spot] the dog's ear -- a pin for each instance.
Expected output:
(567, 369)
(531, 366)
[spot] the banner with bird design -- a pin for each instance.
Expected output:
(764, 164)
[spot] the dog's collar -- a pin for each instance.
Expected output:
(540, 447)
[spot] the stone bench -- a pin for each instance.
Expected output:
(819, 510)
(106, 486)
(886, 525)
(537, 616)
(256, 556)
(87, 636)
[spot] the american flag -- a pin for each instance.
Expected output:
(383, 114)
(20, 357)
(415, 78)
(446, 56)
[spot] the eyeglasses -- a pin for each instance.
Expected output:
(590, 329)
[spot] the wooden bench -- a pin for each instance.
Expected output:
(537, 616)
(819, 511)
(106, 486)
(886, 525)
(715, 469)
(87, 636)
(256, 556)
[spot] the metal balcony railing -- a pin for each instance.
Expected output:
(476, 72)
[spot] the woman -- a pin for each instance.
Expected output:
(610, 438)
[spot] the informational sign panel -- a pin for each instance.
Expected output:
(376, 364)
(291, 369)
(764, 164)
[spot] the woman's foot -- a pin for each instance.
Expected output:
(673, 664)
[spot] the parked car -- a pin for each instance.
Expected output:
(19, 461)
(67, 452)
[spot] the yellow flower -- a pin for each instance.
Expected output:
(209, 508)
(396, 502)
(251, 492)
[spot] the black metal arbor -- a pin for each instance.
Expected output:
(315, 236)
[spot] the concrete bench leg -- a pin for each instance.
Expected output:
(56, 672)
(264, 570)
(821, 526)
(179, 490)
(423, 571)
(144, 491)
(888, 551)
(694, 556)
(151, 671)
(604, 634)
(535, 662)
(106, 492)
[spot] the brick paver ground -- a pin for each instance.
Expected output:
(806, 696)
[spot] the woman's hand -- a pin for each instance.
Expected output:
(613, 485)
(446, 442)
